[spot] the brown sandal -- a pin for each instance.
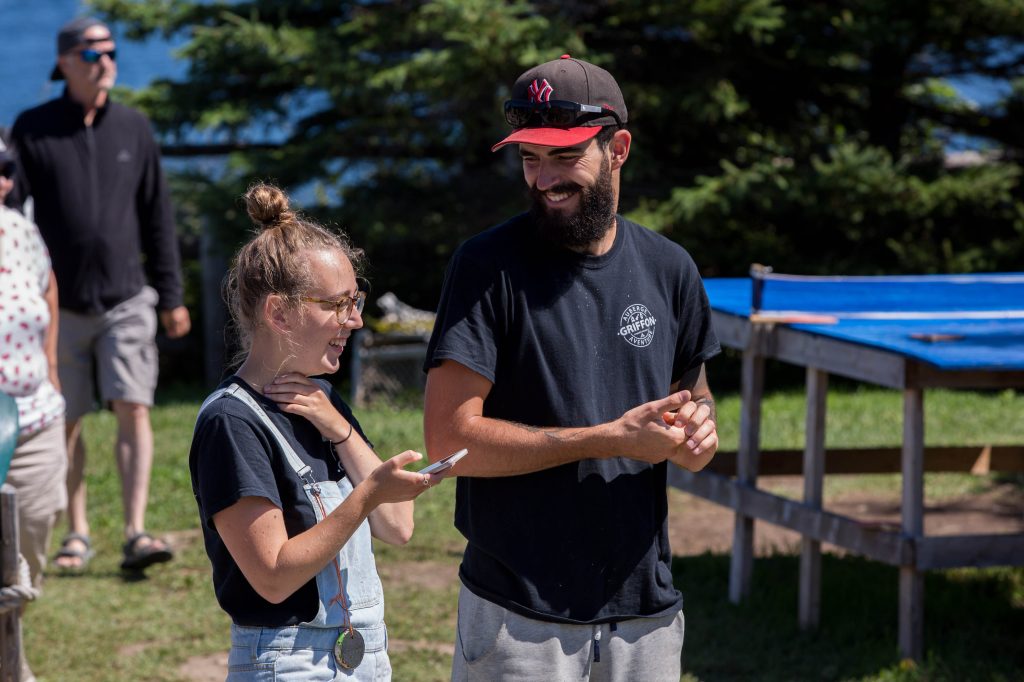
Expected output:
(137, 558)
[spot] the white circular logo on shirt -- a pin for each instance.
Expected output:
(637, 325)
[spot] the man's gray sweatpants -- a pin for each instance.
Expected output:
(493, 643)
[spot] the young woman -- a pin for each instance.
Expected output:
(288, 486)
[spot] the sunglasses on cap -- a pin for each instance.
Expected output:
(91, 56)
(7, 169)
(556, 113)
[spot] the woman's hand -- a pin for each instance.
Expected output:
(390, 482)
(298, 394)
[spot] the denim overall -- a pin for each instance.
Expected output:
(305, 653)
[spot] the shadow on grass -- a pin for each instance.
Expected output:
(974, 623)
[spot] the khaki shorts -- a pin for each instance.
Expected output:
(110, 356)
(38, 471)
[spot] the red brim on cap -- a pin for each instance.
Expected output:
(549, 137)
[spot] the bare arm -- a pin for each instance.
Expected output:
(391, 521)
(453, 418)
(50, 342)
(698, 420)
(275, 565)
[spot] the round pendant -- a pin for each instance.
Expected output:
(349, 649)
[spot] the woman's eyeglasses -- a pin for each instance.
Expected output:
(7, 169)
(521, 113)
(342, 307)
(92, 56)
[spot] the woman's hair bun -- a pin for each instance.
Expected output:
(267, 205)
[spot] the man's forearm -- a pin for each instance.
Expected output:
(453, 419)
(504, 448)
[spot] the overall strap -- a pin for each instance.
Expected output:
(302, 470)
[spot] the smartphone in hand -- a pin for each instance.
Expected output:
(444, 464)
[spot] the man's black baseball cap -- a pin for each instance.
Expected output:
(70, 37)
(571, 80)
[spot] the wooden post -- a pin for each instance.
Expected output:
(356, 368)
(10, 621)
(911, 606)
(213, 265)
(809, 607)
(742, 560)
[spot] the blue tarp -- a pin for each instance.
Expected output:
(955, 322)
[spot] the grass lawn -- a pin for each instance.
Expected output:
(97, 627)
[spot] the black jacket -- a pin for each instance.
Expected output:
(101, 202)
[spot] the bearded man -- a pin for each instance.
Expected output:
(568, 357)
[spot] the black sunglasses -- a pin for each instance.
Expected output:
(91, 56)
(7, 169)
(557, 113)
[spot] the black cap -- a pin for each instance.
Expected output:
(573, 80)
(70, 37)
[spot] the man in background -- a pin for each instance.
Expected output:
(568, 357)
(101, 203)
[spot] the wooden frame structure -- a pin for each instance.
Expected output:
(910, 549)
(10, 615)
(375, 354)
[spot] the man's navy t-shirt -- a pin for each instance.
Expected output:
(571, 340)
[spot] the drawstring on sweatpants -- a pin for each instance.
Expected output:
(612, 627)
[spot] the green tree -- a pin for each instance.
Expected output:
(808, 135)
(812, 135)
(386, 109)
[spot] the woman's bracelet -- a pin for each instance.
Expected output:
(339, 442)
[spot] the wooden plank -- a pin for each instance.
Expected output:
(809, 599)
(741, 561)
(8, 535)
(732, 331)
(407, 351)
(839, 357)
(923, 375)
(855, 361)
(911, 600)
(10, 621)
(864, 539)
(926, 553)
(789, 462)
(953, 551)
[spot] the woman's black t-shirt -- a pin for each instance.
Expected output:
(234, 455)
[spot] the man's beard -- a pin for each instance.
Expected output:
(591, 220)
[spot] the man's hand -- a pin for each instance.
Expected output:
(647, 435)
(696, 420)
(176, 322)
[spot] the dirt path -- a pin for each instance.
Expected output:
(697, 526)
